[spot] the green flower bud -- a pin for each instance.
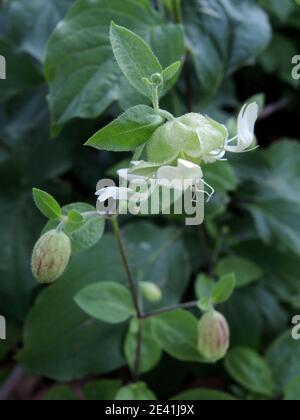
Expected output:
(50, 256)
(213, 336)
(150, 291)
(189, 137)
(157, 79)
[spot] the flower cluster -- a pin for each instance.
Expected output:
(178, 148)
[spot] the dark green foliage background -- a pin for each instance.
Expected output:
(58, 92)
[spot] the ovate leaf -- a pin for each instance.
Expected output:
(47, 205)
(80, 67)
(30, 38)
(75, 220)
(245, 271)
(204, 286)
(129, 131)
(134, 56)
(177, 334)
(250, 370)
(103, 389)
(223, 35)
(60, 393)
(283, 357)
(106, 301)
(224, 289)
(135, 392)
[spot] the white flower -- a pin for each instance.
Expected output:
(185, 175)
(246, 122)
(117, 193)
(214, 156)
(181, 177)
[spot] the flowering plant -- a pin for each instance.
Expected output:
(174, 269)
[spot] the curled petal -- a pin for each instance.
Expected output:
(246, 123)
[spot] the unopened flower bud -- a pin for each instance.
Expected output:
(157, 79)
(51, 256)
(189, 137)
(150, 291)
(213, 336)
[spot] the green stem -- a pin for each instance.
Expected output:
(131, 282)
(217, 250)
(165, 114)
(177, 11)
(61, 225)
(155, 99)
(134, 294)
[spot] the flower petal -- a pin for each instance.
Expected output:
(114, 192)
(246, 123)
(180, 177)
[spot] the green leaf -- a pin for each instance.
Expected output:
(177, 334)
(246, 320)
(21, 74)
(153, 252)
(202, 394)
(86, 235)
(292, 390)
(129, 131)
(283, 357)
(221, 176)
(20, 227)
(222, 37)
(281, 270)
(276, 60)
(135, 57)
(171, 71)
(26, 131)
(271, 178)
(46, 204)
(135, 392)
(103, 389)
(106, 301)
(246, 271)
(84, 85)
(224, 289)
(279, 9)
(75, 220)
(250, 370)
(204, 286)
(150, 349)
(60, 393)
(30, 38)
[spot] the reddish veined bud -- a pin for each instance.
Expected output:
(213, 336)
(51, 256)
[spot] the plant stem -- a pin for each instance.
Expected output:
(131, 282)
(165, 114)
(177, 11)
(134, 294)
(155, 99)
(188, 83)
(170, 309)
